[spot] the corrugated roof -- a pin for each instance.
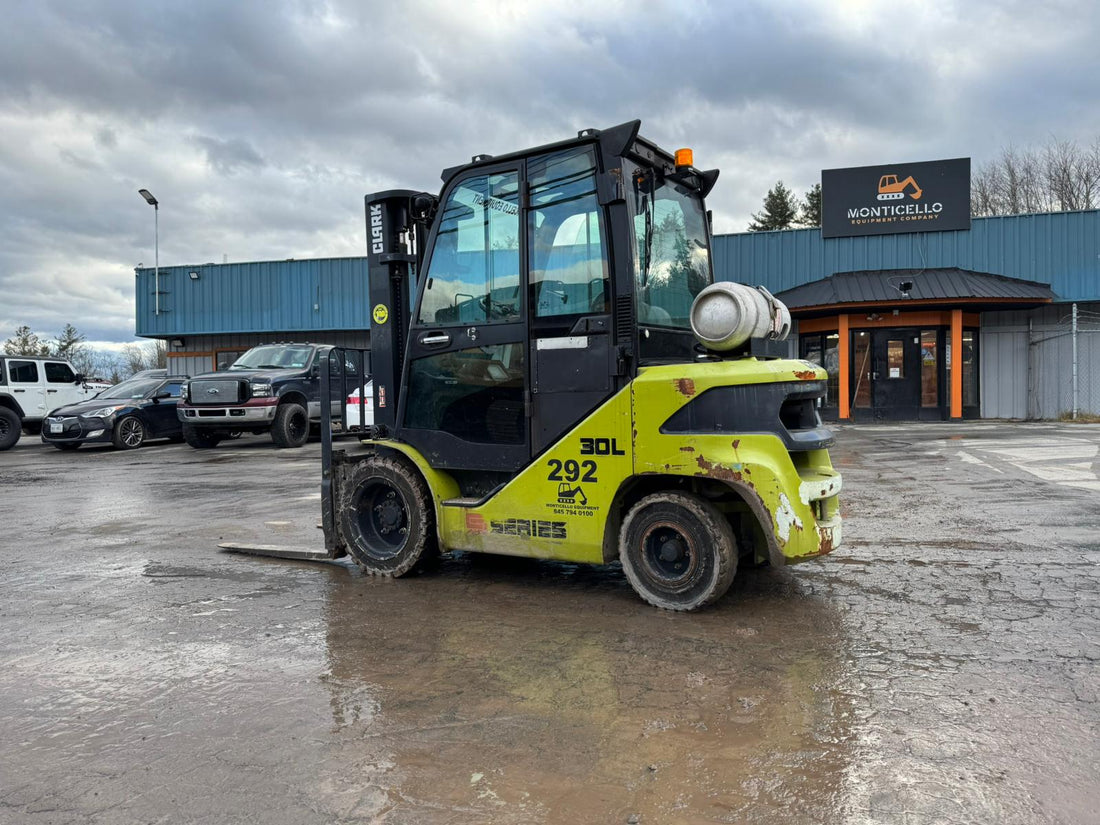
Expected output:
(944, 285)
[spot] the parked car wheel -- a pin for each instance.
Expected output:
(200, 439)
(129, 433)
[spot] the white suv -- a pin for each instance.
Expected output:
(31, 386)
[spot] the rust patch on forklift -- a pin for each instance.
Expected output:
(686, 387)
(715, 470)
(805, 375)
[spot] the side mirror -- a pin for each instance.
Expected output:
(162, 394)
(79, 378)
(222, 365)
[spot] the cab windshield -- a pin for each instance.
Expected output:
(672, 264)
(274, 358)
(131, 388)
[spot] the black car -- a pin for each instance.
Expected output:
(127, 414)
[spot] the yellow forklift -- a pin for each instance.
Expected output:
(556, 376)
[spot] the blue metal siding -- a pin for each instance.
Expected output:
(268, 296)
(1060, 248)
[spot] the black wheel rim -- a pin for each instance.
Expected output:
(5, 427)
(669, 557)
(383, 519)
(297, 426)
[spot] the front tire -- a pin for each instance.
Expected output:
(10, 428)
(678, 551)
(200, 439)
(387, 517)
(129, 433)
(291, 425)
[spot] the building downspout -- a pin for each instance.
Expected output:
(1073, 335)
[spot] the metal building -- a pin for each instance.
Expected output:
(1018, 297)
(211, 313)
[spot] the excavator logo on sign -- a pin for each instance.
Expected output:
(891, 189)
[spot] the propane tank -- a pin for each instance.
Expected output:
(725, 315)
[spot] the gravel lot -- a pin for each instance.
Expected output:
(941, 667)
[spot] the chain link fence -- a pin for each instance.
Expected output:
(1064, 366)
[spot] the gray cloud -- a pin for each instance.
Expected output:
(260, 125)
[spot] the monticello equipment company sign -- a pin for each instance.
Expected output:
(931, 196)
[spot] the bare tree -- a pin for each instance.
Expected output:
(145, 356)
(1058, 177)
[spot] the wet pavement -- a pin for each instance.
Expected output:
(941, 667)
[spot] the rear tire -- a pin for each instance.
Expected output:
(10, 428)
(291, 425)
(128, 434)
(387, 517)
(200, 439)
(678, 551)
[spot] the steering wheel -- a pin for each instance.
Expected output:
(496, 309)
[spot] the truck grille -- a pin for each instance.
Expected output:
(219, 391)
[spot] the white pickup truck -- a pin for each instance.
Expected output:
(31, 386)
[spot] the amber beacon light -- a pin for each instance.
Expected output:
(684, 157)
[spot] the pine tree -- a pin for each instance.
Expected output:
(25, 342)
(69, 343)
(810, 213)
(780, 210)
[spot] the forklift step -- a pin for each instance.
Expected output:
(463, 502)
(275, 551)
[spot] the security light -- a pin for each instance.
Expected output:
(193, 275)
(149, 199)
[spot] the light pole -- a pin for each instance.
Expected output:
(149, 199)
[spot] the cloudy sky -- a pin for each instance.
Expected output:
(260, 124)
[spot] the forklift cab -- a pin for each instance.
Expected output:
(547, 278)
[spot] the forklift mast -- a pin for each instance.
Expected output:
(397, 226)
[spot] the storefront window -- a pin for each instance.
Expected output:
(929, 372)
(861, 375)
(823, 349)
(832, 366)
(970, 368)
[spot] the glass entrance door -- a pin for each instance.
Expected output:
(896, 373)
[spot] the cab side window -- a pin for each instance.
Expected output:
(569, 271)
(173, 389)
(59, 374)
(473, 274)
